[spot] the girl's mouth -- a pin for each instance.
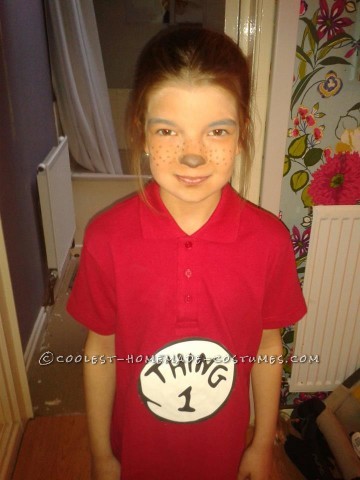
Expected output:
(191, 180)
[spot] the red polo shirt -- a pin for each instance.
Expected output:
(187, 312)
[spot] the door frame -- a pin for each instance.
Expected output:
(266, 31)
(250, 23)
(281, 83)
(15, 401)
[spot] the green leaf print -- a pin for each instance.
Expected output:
(311, 32)
(301, 55)
(313, 156)
(306, 199)
(297, 147)
(299, 180)
(301, 86)
(287, 165)
(334, 61)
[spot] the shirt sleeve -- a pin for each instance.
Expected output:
(92, 300)
(284, 303)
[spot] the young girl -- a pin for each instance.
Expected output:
(184, 286)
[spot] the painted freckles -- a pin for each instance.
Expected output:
(179, 153)
(192, 137)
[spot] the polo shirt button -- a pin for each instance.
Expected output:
(188, 273)
(188, 245)
(188, 298)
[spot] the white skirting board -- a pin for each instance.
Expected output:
(331, 328)
(34, 343)
(37, 331)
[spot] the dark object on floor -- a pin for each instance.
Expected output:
(318, 444)
(310, 452)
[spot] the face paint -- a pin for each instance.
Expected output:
(192, 136)
(192, 161)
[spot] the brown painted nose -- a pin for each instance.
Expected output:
(192, 161)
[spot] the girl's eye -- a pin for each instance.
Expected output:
(165, 132)
(218, 132)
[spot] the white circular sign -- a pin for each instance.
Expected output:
(187, 381)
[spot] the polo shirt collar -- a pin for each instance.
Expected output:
(222, 226)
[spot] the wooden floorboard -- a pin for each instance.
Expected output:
(54, 448)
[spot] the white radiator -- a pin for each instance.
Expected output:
(57, 206)
(331, 328)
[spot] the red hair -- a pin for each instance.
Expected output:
(198, 56)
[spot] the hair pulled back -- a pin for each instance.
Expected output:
(197, 56)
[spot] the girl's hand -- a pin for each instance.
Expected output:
(105, 469)
(256, 464)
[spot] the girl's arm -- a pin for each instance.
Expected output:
(266, 381)
(99, 383)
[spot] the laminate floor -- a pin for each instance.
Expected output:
(56, 448)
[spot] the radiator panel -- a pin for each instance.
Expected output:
(57, 206)
(331, 328)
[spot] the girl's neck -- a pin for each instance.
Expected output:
(191, 216)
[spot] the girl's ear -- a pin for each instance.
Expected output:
(145, 145)
(146, 149)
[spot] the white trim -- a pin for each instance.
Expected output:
(15, 401)
(232, 19)
(280, 97)
(252, 27)
(262, 33)
(11, 355)
(35, 336)
(250, 23)
(10, 439)
(44, 315)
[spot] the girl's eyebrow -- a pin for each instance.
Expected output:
(224, 121)
(151, 121)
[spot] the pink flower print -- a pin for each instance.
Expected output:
(303, 111)
(355, 49)
(303, 7)
(305, 119)
(337, 181)
(318, 133)
(329, 21)
(300, 242)
(294, 132)
(327, 152)
(310, 120)
(303, 397)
